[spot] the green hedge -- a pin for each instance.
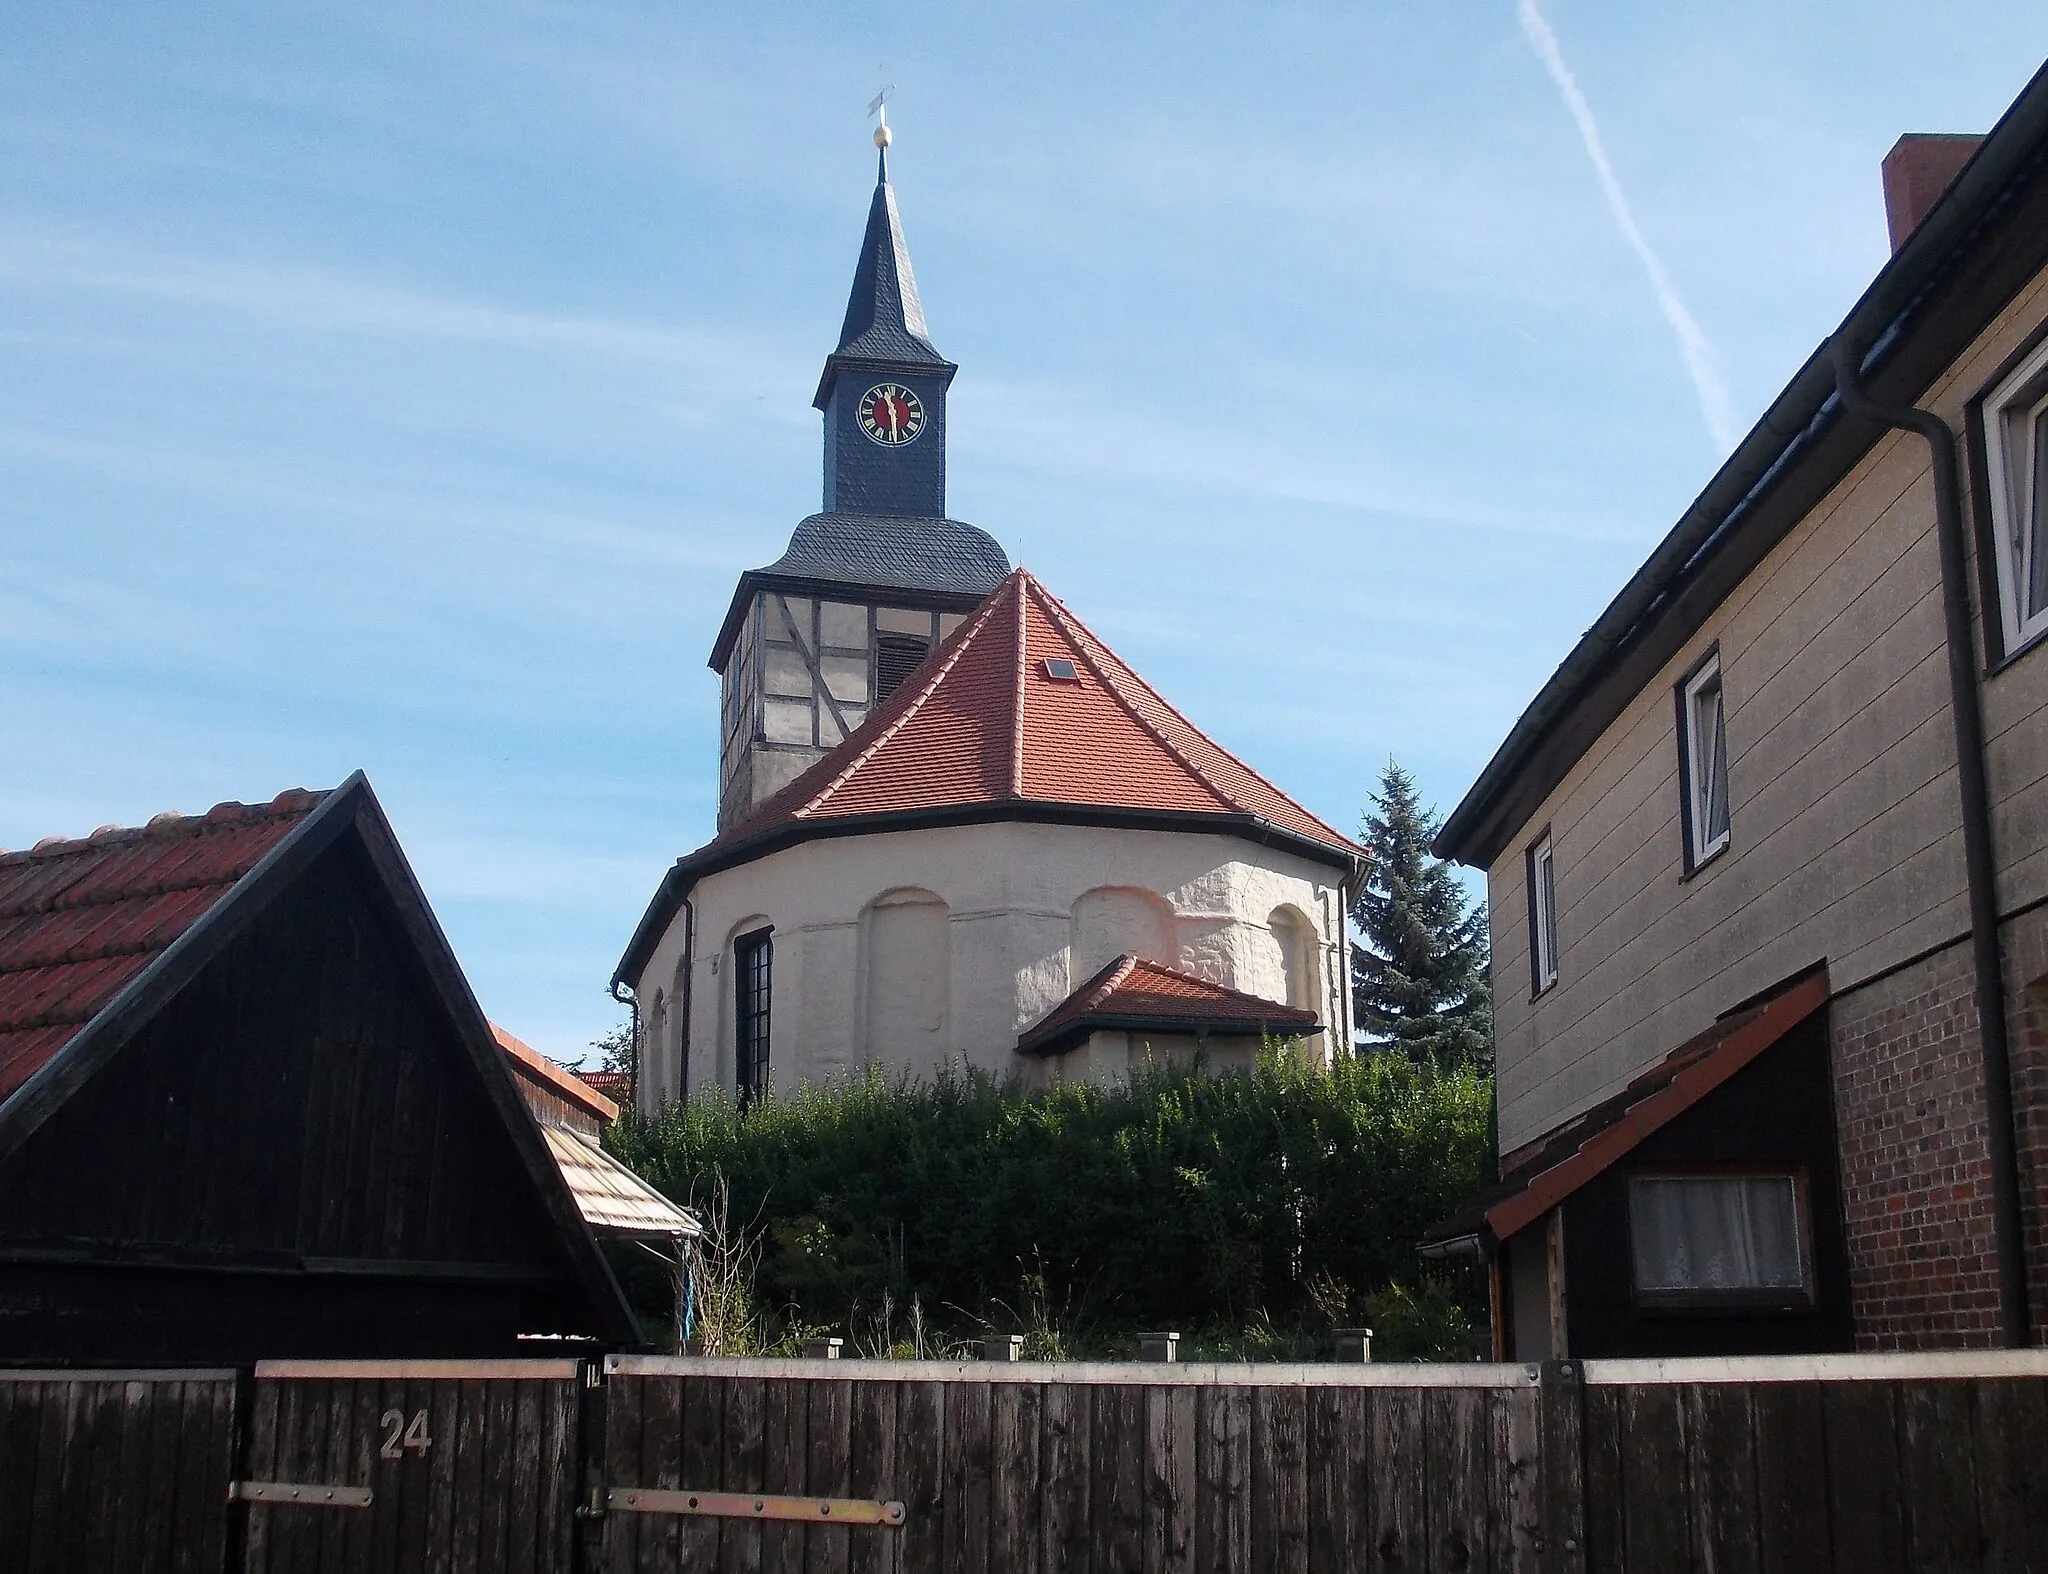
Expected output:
(1283, 1197)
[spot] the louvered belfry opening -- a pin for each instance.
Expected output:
(896, 657)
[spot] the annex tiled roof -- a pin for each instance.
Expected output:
(985, 721)
(1591, 1143)
(80, 919)
(1134, 993)
(614, 1085)
(557, 1080)
(612, 1199)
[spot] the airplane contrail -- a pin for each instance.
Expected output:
(1702, 362)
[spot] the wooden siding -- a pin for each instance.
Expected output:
(1846, 838)
(292, 1157)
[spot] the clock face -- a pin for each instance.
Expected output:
(891, 414)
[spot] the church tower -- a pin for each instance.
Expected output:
(869, 585)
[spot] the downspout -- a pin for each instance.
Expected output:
(632, 1001)
(683, 1005)
(1978, 859)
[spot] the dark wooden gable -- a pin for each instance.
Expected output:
(296, 1151)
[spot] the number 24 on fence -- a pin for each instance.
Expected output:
(399, 1434)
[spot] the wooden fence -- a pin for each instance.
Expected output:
(1863, 1463)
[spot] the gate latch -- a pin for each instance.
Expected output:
(307, 1494)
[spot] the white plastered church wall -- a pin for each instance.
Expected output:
(906, 948)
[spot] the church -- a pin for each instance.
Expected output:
(953, 826)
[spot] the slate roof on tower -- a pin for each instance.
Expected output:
(1022, 714)
(884, 318)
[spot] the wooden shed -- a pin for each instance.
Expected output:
(249, 1107)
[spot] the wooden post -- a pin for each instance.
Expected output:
(822, 1349)
(1563, 1401)
(1003, 1347)
(1159, 1347)
(1353, 1345)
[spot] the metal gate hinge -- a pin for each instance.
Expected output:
(748, 1505)
(307, 1494)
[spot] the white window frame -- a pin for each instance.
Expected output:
(1542, 870)
(2016, 473)
(1700, 763)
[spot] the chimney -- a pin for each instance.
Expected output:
(1916, 172)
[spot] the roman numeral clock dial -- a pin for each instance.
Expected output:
(891, 414)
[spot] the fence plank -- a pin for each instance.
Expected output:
(739, 1469)
(1460, 1499)
(923, 1444)
(1794, 1530)
(1169, 1481)
(1938, 1467)
(1656, 1512)
(625, 1463)
(1721, 1477)
(1515, 1428)
(967, 1423)
(786, 1420)
(1606, 1538)
(1066, 1417)
(1280, 1480)
(1863, 1476)
(830, 1454)
(495, 1471)
(2012, 1439)
(1117, 1486)
(697, 1449)
(1223, 1541)
(1399, 1504)
(1015, 1516)
(871, 1474)
(1330, 1487)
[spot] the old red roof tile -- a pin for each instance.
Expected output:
(80, 919)
(1132, 992)
(982, 721)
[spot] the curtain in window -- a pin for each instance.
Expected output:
(1715, 1233)
(1711, 735)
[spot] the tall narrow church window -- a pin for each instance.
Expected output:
(896, 657)
(753, 978)
(1703, 748)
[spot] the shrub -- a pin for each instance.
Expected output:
(1279, 1199)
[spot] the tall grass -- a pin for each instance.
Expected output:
(1256, 1208)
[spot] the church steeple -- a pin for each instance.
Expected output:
(884, 387)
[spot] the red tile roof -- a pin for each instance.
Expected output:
(80, 919)
(1133, 993)
(558, 1080)
(1591, 1143)
(983, 722)
(614, 1085)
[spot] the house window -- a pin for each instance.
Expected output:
(1703, 761)
(2016, 451)
(1720, 1239)
(1542, 914)
(752, 977)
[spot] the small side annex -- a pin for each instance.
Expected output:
(249, 1108)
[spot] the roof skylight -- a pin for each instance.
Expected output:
(1061, 670)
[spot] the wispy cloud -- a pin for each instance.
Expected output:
(1702, 361)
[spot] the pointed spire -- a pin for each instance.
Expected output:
(884, 318)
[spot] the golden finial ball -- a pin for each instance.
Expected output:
(883, 135)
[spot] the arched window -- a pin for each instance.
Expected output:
(676, 1046)
(753, 981)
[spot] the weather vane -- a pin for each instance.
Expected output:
(878, 106)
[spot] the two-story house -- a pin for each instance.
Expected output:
(1767, 857)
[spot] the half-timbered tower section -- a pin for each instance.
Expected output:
(248, 1107)
(1767, 858)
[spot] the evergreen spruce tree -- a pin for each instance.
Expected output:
(1419, 975)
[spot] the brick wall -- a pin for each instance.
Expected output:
(1916, 1181)
(2026, 972)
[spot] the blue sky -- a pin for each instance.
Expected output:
(403, 388)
